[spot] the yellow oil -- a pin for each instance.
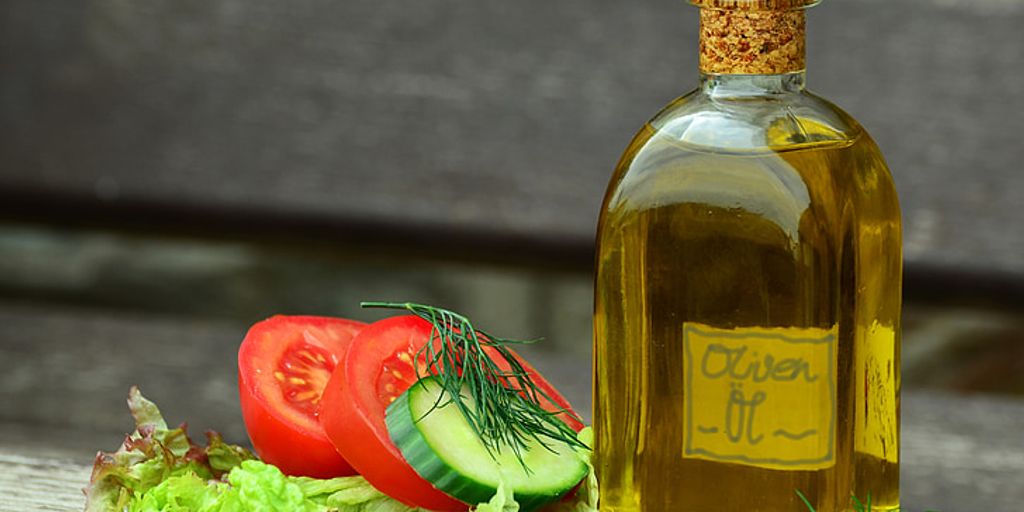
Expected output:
(746, 290)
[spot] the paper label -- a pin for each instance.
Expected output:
(760, 396)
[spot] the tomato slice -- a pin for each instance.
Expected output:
(377, 368)
(283, 365)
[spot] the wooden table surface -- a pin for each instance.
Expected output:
(960, 454)
(62, 402)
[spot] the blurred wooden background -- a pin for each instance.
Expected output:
(172, 171)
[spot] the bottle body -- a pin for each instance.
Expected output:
(747, 308)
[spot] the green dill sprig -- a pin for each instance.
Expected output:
(858, 505)
(504, 405)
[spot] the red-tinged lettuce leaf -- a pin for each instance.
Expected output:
(145, 413)
(150, 455)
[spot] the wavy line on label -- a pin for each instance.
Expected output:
(707, 430)
(794, 437)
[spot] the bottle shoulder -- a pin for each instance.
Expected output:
(744, 123)
(784, 159)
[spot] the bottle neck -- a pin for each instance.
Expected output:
(752, 41)
(738, 86)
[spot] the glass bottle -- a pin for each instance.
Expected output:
(747, 301)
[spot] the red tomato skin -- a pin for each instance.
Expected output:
(557, 400)
(295, 449)
(277, 442)
(360, 435)
(353, 416)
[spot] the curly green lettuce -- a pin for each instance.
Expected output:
(158, 469)
(256, 486)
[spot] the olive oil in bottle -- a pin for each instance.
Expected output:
(747, 300)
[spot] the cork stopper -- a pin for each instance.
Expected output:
(756, 5)
(752, 37)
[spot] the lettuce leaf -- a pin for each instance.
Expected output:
(257, 486)
(585, 499)
(503, 501)
(151, 455)
(158, 469)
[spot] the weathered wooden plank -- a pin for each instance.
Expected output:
(493, 119)
(73, 372)
(959, 454)
(64, 375)
(962, 453)
(31, 483)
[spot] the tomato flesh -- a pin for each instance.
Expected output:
(302, 374)
(283, 365)
(377, 368)
(397, 374)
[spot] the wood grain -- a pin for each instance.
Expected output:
(959, 455)
(63, 401)
(31, 483)
(495, 120)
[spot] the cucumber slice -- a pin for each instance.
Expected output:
(442, 447)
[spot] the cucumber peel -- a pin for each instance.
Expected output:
(437, 441)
